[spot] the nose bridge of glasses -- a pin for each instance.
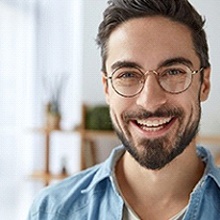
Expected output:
(153, 73)
(152, 94)
(150, 72)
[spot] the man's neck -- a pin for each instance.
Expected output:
(150, 190)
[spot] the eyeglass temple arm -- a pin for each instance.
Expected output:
(107, 77)
(197, 71)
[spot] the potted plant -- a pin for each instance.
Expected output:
(53, 115)
(54, 86)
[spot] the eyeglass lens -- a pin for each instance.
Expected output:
(129, 82)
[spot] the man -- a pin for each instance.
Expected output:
(156, 72)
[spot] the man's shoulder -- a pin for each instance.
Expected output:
(73, 184)
(77, 192)
(58, 198)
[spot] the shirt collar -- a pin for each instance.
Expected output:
(211, 169)
(106, 169)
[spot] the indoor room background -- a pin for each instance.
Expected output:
(47, 51)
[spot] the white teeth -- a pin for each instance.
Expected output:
(153, 123)
(152, 129)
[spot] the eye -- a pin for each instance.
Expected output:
(173, 72)
(126, 74)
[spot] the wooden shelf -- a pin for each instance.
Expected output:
(209, 139)
(48, 131)
(88, 138)
(93, 134)
(46, 177)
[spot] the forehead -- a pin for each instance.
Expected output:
(149, 41)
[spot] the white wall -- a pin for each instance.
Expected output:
(92, 87)
(60, 54)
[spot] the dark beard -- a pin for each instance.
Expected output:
(157, 153)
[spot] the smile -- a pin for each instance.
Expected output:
(153, 125)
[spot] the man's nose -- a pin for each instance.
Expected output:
(152, 95)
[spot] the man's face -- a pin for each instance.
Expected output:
(155, 126)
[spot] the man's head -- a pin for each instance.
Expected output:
(120, 11)
(144, 46)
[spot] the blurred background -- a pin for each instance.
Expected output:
(50, 66)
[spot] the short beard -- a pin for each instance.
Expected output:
(157, 153)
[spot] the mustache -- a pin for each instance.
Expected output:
(163, 111)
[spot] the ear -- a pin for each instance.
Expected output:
(105, 87)
(205, 87)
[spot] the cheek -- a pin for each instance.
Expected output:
(191, 106)
(195, 89)
(118, 106)
(191, 96)
(116, 111)
(116, 102)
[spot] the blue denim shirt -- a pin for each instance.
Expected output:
(92, 194)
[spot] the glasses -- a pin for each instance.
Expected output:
(129, 81)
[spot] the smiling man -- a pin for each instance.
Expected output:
(159, 110)
(156, 73)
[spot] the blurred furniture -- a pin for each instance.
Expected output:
(88, 142)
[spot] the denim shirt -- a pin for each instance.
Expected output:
(92, 194)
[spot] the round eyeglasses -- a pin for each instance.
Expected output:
(129, 81)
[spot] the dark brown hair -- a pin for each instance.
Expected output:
(181, 11)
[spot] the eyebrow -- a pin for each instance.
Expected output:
(165, 63)
(176, 60)
(124, 63)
